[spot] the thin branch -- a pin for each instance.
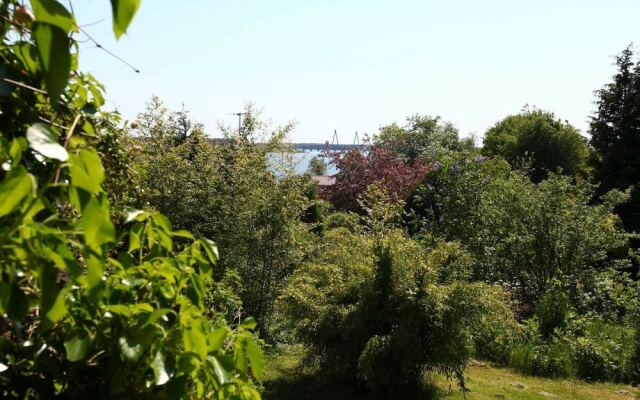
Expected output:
(24, 85)
(98, 45)
(66, 142)
(92, 23)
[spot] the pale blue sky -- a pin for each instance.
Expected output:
(356, 65)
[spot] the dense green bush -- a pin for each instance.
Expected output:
(588, 349)
(387, 309)
(226, 190)
(445, 203)
(522, 234)
(552, 309)
(531, 235)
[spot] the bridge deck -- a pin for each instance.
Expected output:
(326, 147)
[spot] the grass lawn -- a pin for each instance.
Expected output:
(286, 380)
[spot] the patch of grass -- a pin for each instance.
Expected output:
(287, 379)
(487, 382)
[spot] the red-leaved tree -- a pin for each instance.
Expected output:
(358, 170)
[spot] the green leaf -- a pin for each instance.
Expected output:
(155, 315)
(16, 186)
(135, 237)
(76, 347)
(162, 222)
(130, 351)
(249, 323)
(52, 299)
(18, 146)
(123, 13)
(53, 51)
(216, 338)
(95, 270)
(5, 292)
(211, 250)
(240, 359)
(52, 12)
(256, 358)
(120, 309)
(135, 215)
(194, 340)
(159, 369)
(27, 54)
(183, 234)
(45, 142)
(96, 222)
(86, 170)
(219, 369)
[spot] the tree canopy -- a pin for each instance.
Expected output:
(615, 136)
(541, 139)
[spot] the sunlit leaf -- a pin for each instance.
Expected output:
(256, 358)
(249, 323)
(52, 44)
(52, 302)
(159, 369)
(16, 186)
(134, 215)
(222, 373)
(123, 13)
(86, 170)
(130, 351)
(45, 142)
(76, 347)
(211, 249)
(52, 12)
(96, 222)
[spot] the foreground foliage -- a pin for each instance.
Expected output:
(88, 310)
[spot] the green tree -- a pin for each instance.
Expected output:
(615, 136)
(423, 138)
(226, 189)
(317, 166)
(541, 139)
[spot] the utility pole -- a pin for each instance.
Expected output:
(239, 115)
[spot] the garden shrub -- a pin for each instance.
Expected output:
(552, 310)
(385, 319)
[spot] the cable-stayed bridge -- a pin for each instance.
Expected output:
(334, 146)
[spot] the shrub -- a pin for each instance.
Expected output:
(386, 312)
(552, 310)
